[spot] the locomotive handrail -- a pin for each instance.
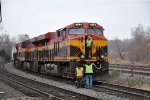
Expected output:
(77, 53)
(96, 66)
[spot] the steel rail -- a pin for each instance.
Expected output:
(31, 88)
(127, 69)
(127, 65)
(137, 93)
(60, 89)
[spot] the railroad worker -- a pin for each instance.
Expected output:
(89, 43)
(89, 73)
(79, 75)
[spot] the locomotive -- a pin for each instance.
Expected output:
(58, 53)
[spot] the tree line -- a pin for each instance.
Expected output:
(6, 44)
(137, 48)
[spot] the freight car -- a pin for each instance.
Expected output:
(58, 53)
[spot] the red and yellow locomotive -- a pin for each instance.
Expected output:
(59, 52)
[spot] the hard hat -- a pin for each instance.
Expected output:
(89, 37)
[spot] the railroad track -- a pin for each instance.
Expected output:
(120, 91)
(126, 92)
(127, 69)
(24, 84)
(40, 93)
(142, 68)
(44, 90)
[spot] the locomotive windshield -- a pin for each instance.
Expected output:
(76, 31)
(94, 31)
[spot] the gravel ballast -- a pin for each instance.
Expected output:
(8, 92)
(88, 92)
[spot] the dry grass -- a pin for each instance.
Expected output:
(138, 81)
(113, 75)
(143, 86)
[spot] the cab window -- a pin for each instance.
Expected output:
(95, 31)
(63, 33)
(76, 31)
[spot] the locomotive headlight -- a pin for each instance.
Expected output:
(92, 24)
(78, 24)
(102, 56)
(82, 56)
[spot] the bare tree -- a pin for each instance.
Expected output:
(148, 45)
(119, 48)
(22, 37)
(139, 46)
(138, 34)
(136, 49)
(5, 46)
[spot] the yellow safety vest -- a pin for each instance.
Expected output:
(89, 68)
(89, 42)
(79, 72)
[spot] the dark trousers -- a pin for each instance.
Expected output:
(78, 82)
(90, 52)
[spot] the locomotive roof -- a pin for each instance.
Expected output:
(85, 25)
(49, 35)
(42, 37)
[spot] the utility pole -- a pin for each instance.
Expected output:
(0, 12)
(1, 24)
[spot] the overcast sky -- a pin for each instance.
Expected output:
(35, 17)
